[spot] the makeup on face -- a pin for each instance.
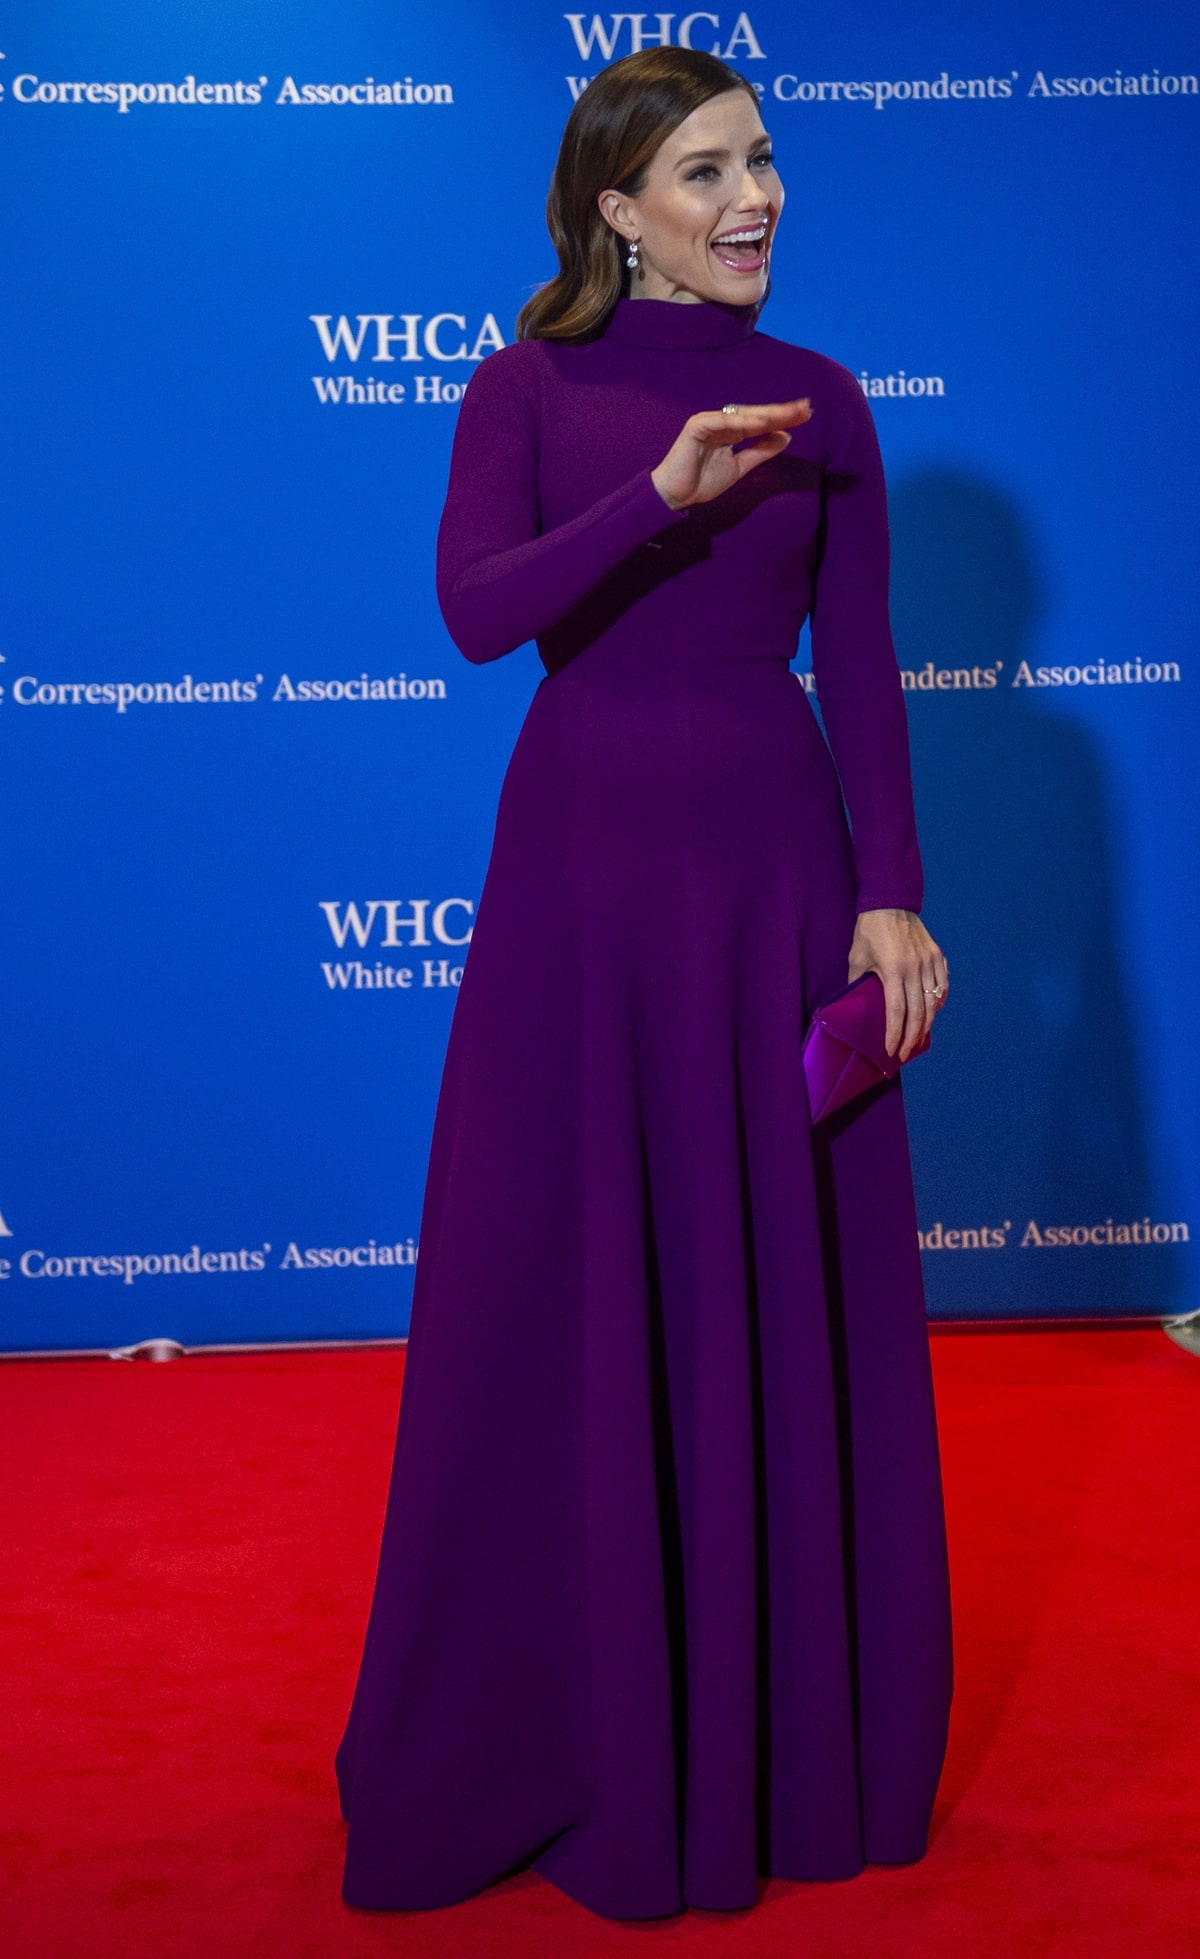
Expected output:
(710, 205)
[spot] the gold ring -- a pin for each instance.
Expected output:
(732, 408)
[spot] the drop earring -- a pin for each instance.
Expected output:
(632, 260)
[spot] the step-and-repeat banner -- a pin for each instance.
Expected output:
(253, 256)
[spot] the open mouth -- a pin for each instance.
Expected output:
(744, 250)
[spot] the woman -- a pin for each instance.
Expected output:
(662, 1597)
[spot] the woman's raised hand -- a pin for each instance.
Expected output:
(700, 462)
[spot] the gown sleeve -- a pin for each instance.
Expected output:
(855, 670)
(500, 579)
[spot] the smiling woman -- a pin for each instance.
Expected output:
(690, 215)
(662, 1595)
(723, 200)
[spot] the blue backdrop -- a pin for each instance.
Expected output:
(255, 254)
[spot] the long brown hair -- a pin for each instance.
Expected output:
(618, 122)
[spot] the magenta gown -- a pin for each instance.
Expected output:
(662, 1597)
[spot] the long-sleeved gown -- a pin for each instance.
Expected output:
(662, 1597)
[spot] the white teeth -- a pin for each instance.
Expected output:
(747, 237)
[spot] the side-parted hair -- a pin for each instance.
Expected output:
(614, 129)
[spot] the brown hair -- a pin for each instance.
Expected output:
(618, 122)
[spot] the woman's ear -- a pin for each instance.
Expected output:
(615, 211)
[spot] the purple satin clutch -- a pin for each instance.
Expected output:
(844, 1049)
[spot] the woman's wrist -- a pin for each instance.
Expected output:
(671, 502)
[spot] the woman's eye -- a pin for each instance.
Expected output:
(763, 160)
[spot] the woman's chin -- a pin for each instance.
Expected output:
(738, 288)
(718, 284)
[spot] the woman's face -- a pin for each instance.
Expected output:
(707, 214)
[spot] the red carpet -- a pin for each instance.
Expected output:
(189, 1558)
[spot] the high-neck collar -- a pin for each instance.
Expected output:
(677, 324)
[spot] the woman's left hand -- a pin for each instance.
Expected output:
(913, 968)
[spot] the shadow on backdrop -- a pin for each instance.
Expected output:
(1028, 1108)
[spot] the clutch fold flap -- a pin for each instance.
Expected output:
(845, 1047)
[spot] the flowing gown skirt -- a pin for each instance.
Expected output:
(662, 1598)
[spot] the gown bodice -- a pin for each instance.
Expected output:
(553, 530)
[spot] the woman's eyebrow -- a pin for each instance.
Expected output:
(694, 156)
